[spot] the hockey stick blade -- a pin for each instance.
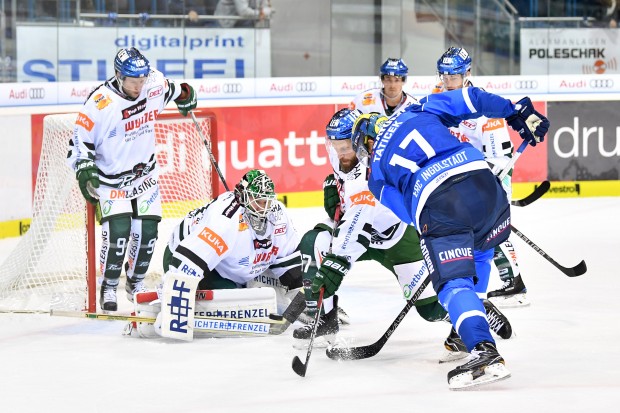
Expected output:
(364, 352)
(539, 191)
(575, 271)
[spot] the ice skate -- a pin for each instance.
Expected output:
(455, 348)
(134, 286)
(486, 366)
(325, 333)
(498, 322)
(307, 317)
(107, 297)
(512, 294)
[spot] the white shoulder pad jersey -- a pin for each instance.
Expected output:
(365, 221)
(119, 134)
(489, 136)
(372, 100)
(217, 237)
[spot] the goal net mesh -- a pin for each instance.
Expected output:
(48, 268)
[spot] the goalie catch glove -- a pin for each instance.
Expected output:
(531, 125)
(187, 100)
(88, 179)
(330, 275)
(331, 197)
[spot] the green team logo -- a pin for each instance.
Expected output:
(107, 206)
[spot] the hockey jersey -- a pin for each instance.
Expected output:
(119, 135)
(372, 100)
(365, 221)
(414, 153)
(217, 237)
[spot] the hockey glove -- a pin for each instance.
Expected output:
(189, 102)
(331, 197)
(531, 125)
(88, 178)
(330, 275)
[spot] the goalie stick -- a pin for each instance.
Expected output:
(277, 324)
(364, 352)
(539, 191)
(575, 271)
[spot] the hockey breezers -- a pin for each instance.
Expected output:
(575, 271)
(539, 191)
(275, 325)
(364, 352)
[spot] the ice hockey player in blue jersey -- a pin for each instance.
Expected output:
(446, 190)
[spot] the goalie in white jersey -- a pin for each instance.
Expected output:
(242, 238)
(390, 98)
(113, 153)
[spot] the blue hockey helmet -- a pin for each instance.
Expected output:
(455, 61)
(394, 67)
(341, 124)
(129, 62)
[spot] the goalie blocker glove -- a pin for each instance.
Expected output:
(88, 178)
(531, 125)
(330, 275)
(189, 101)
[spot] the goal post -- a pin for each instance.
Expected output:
(56, 264)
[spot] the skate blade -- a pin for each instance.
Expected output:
(511, 301)
(493, 373)
(450, 356)
(319, 342)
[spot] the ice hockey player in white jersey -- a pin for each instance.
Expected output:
(390, 98)
(113, 154)
(491, 137)
(240, 236)
(366, 231)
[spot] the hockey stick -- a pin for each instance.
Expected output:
(539, 191)
(299, 367)
(364, 352)
(575, 271)
(512, 161)
(213, 161)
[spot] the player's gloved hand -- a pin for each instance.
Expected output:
(331, 197)
(88, 178)
(531, 125)
(330, 275)
(189, 102)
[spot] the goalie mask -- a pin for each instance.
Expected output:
(364, 134)
(256, 193)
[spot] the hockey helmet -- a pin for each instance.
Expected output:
(129, 62)
(366, 127)
(394, 67)
(455, 61)
(341, 124)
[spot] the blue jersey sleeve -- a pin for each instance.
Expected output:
(468, 103)
(391, 198)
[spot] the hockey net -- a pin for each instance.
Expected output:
(54, 265)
